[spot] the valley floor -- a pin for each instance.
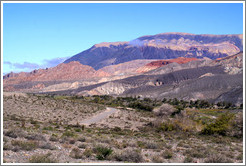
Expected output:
(42, 129)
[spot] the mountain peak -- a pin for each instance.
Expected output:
(108, 44)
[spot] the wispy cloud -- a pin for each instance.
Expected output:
(27, 66)
(137, 42)
(53, 62)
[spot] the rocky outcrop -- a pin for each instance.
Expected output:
(232, 64)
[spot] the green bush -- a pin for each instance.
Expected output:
(166, 126)
(103, 152)
(168, 154)
(141, 106)
(68, 134)
(220, 126)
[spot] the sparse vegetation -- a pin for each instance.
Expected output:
(42, 158)
(131, 135)
(129, 156)
(25, 145)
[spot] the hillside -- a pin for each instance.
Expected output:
(160, 46)
(159, 63)
(62, 72)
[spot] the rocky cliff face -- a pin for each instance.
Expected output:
(160, 46)
(232, 64)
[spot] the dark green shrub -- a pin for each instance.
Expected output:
(188, 159)
(141, 106)
(103, 152)
(166, 126)
(77, 130)
(11, 133)
(81, 139)
(50, 128)
(167, 154)
(68, 134)
(220, 126)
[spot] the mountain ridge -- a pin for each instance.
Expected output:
(160, 46)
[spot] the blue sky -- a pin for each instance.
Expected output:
(38, 35)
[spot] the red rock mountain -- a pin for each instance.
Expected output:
(159, 63)
(70, 71)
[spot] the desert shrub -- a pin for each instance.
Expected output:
(33, 121)
(116, 129)
(167, 154)
(157, 159)
(197, 153)
(38, 137)
(102, 152)
(5, 139)
(53, 138)
(216, 158)
(7, 146)
(11, 133)
(42, 158)
(88, 152)
(72, 141)
(140, 144)
(25, 145)
(49, 128)
(220, 126)
(164, 110)
(237, 126)
(77, 130)
(81, 139)
(166, 126)
(82, 146)
(188, 159)
(151, 145)
(46, 145)
(129, 156)
(76, 153)
(68, 134)
(239, 157)
(141, 106)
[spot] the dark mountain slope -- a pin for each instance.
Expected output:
(160, 46)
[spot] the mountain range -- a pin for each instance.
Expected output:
(167, 65)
